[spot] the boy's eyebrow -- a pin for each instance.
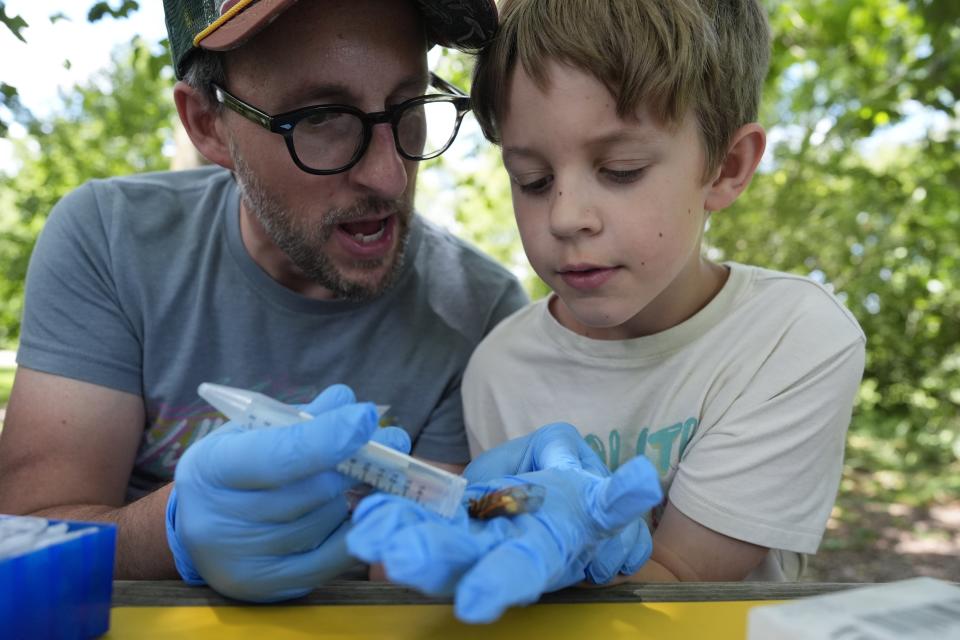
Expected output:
(628, 135)
(511, 153)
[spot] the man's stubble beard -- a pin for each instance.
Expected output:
(303, 243)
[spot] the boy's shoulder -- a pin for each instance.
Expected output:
(795, 300)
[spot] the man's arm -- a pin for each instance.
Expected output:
(67, 450)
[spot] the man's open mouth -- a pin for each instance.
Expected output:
(365, 232)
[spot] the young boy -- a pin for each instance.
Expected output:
(623, 125)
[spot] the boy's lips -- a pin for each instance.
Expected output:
(586, 277)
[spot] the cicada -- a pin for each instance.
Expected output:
(509, 501)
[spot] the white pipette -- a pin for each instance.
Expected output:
(379, 466)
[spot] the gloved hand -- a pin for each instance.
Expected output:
(489, 565)
(622, 554)
(560, 446)
(553, 446)
(260, 514)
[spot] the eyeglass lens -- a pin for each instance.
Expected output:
(330, 140)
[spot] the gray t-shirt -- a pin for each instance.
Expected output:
(143, 284)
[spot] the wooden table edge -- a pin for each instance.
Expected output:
(166, 593)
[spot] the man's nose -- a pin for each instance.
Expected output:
(382, 170)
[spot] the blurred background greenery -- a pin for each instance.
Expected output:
(860, 189)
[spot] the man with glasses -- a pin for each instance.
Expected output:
(293, 263)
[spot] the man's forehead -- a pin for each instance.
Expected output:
(307, 52)
(333, 30)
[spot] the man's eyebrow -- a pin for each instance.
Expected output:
(318, 94)
(339, 93)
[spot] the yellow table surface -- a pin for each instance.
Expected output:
(638, 621)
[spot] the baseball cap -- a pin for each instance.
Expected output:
(221, 25)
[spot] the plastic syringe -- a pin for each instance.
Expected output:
(374, 464)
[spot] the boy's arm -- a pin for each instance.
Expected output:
(685, 550)
(782, 473)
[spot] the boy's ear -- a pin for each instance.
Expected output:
(203, 124)
(736, 170)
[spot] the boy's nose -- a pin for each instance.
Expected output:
(572, 214)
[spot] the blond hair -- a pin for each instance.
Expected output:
(669, 56)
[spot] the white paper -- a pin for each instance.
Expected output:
(915, 609)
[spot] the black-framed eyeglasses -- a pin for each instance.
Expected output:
(331, 138)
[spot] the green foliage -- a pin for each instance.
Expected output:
(6, 384)
(880, 225)
(14, 23)
(116, 124)
(100, 10)
(9, 97)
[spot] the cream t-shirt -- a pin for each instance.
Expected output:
(743, 408)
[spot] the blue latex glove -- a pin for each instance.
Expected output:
(260, 514)
(560, 446)
(489, 565)
(622, 554)
(554, 446)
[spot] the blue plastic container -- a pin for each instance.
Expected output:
(60, 592)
